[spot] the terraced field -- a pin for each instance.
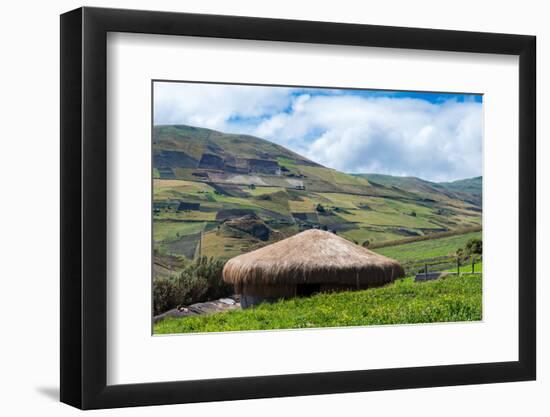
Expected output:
(168, 231)
(204, 178)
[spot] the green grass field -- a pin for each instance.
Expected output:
(427, 249)
(467, 268)
(363, 234)
(403, 302)
(172, 230)
(357, 217)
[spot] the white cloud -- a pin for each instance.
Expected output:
(351, 133)
(214, 106)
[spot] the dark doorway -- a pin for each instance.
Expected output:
(305, 290)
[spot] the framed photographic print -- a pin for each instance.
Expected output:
(258, 208)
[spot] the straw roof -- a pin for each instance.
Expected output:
(315, 257)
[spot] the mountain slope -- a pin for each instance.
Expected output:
(472, 186)
(198, 154)
(208, 185)
(194, 142)
(469, 189)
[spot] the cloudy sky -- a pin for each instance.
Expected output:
(433, 136)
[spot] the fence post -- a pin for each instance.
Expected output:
(200, 245)
(426, 272)
(473, 263)
(458, 266)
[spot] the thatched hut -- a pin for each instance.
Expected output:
(309, 262)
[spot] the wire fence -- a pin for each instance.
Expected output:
(427, 269)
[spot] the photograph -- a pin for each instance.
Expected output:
(270, 209)
(290, 207)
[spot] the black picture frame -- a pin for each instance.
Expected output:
(84, 207)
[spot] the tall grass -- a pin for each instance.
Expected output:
(403, 302)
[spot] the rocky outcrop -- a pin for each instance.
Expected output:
(249, 224)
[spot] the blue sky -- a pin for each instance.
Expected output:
(435, 136)
(417, 95)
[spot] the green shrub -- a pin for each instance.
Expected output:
(474, 246)
(200, 280)
(204, 280)
(166, 295)
(193, 287)
(264, 197)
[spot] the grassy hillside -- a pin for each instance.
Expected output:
(205, 181)
(427, 249)
(449, 299)
(469, 189)
(471, 185)
(193, 142)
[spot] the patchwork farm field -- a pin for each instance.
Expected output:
(169, 231)
(205, 178)
(362, 219)
(451, 299)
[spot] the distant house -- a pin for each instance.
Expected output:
(184, 206)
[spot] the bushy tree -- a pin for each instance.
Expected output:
(166, 295)
(200, 280)
(474, 246)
